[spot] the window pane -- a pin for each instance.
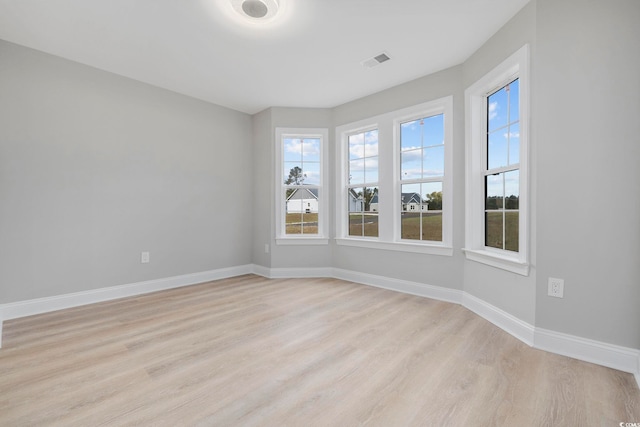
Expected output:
(411, 167)
(311, 150)
(371, 143)
(511, 227)
(370, 216)
(311, 173)
(497, 109)
(293, 218)
(356, 171)
(410, 135)
(356, 146)
(514, 144)
(432, 196)
(432, 226)
(514, 101)
(512, 189)
(292, 150)
(293, 173)
(434, 130)
(355, 224)
(302, 211)
(355, 203)
(494, 191)
(493, 226)
(411, 208)
(310, 222)
(433, 162)
(371, 169)
(497, 149)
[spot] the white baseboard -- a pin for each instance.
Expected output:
(610, 355)
(404, 286)
(505, 321)
(45, 305)
(613, 356)
(292, 273)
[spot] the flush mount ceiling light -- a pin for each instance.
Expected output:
(256, 10)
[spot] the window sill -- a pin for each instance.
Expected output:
(397, 246)
(498, 261)
(302, 241)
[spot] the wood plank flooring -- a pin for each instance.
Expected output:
(250, 351)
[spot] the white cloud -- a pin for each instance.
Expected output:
(360, 150)
(308, 147)
(360, 164)
(493, 110)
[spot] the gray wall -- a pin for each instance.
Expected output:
(588, 139)
(435, 270)
(282, 256)
(95, 168)
(510, 292)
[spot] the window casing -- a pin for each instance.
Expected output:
(300, 187)
(390, 212)
(497, 199)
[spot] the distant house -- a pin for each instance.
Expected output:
(373, 205)
(412, 202)
(303, 200)
(356, 203)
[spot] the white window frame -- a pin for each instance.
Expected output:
(323, 199)
(389, 182)
(442, 106)
(364, 184)
(516, 66)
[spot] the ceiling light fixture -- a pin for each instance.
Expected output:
(256, 10)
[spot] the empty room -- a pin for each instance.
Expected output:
(319, 213)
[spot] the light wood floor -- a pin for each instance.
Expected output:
(249, 351)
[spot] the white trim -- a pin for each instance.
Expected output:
(302, 241)
(404, 286)
(516, 66)
(505, 321)
(637, 373)
(292, 273)
(323, 199)
(44, 305)
(610, 355)
(389, 183)
(497, 260)
(422, 248)
(613, 356)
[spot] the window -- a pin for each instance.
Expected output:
(362, 186)
(421, 178)
(301, 206)
(502, 170)
(497, 166)
(395, 178)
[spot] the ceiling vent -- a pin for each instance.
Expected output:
(376, 60)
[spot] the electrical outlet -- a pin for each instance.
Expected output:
(266, 248)
(556, 287)
(144, 257)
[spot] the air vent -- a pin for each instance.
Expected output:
(376, 60)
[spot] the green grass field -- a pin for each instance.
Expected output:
(307, 223)
(301, 223)
(363, 224)
(431, 226)
(493, 230)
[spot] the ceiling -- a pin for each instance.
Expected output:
(309, 56)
